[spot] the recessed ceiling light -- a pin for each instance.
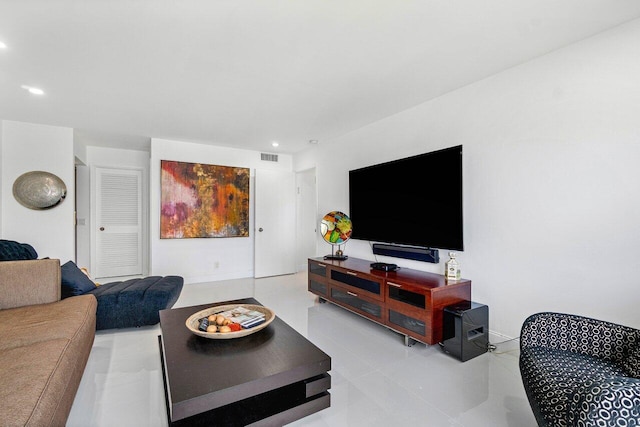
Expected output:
(3, 46)
(274, 144)
(33, 90)
(313, 141)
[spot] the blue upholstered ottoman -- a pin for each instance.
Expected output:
(127, 304)
(135, 302)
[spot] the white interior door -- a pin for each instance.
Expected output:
(118, 222)
(275, 226)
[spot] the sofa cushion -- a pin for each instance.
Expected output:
(26, 325)
(44, 352)
(28, 282)
(29, 370)
(610, 402)
(552, 376)
(74, 281)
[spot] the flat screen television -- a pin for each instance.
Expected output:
(415, 201)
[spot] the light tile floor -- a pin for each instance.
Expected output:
(376, 379)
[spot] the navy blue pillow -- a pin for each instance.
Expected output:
(74, 281)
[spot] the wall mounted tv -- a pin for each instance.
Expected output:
(414, 201)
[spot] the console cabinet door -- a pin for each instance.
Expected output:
(409, 309)
(318, 283)
(360, 283)
(357, 302)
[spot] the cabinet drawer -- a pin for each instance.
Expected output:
(318, 287)
(361, 284)
(410, 325)
(318, 268)
(411, 296)
(354, 301)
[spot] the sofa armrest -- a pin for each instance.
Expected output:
(611, 402)
(29, 282)
(579, 334)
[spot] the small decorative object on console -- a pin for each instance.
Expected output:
(452, 268)
(336, 230)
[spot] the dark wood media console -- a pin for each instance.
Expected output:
(408, 301)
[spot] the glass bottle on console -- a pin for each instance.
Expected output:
(452, 268)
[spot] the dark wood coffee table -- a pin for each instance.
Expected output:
(272, 377)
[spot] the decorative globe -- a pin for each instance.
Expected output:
(336, 228)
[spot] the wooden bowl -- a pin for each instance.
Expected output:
(194, 321)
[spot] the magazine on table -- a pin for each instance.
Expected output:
(245, 317)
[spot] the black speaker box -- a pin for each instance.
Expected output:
(407, 252)
(465, 330)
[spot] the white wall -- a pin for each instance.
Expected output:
(1, 149)
(551, 180)
(79, 150)
(207, 259)
(30, 147)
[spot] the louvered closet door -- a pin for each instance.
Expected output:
(118, 222)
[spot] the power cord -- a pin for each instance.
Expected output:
(491, 347)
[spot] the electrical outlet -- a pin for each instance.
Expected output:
(216, 264)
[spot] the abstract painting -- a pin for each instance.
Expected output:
(199, 200)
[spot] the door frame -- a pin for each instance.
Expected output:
(306, 217)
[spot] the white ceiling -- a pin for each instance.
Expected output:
(244, 73)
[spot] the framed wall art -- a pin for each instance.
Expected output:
(200, 200)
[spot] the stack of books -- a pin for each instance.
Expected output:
(245, 317)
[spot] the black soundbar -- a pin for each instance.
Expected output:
(407, 252)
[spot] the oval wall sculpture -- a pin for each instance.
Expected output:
(39, 190)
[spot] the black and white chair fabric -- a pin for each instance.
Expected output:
(579, 371)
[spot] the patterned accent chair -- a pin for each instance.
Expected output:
(579, 371)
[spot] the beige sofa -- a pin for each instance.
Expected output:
(44, 343)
